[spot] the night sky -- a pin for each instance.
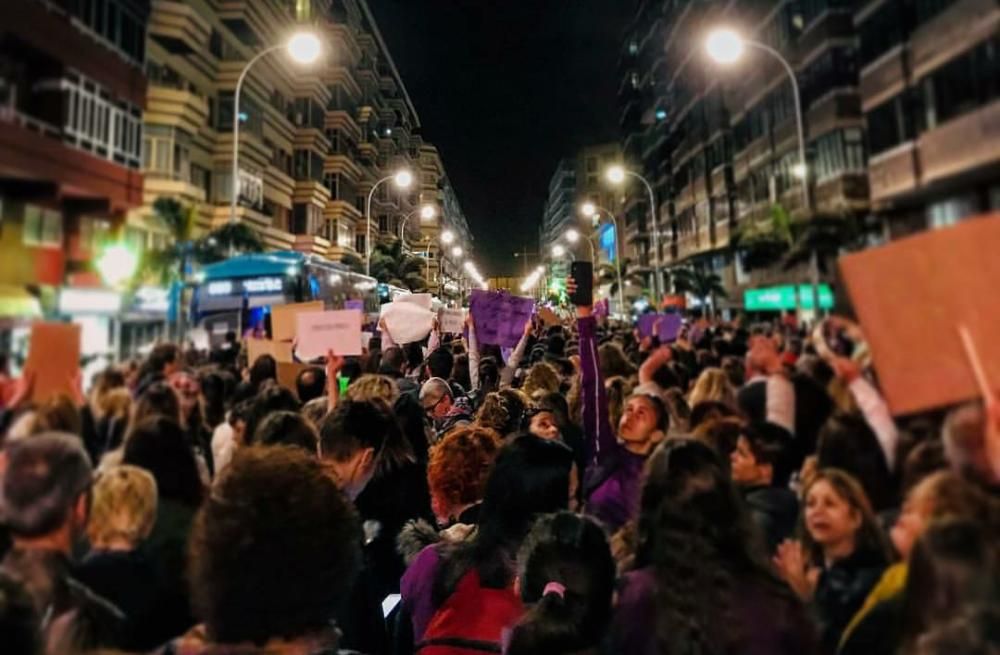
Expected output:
(505, 88)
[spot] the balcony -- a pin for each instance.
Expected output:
(156, 186)
(311, 245)
(343, 42)
(892, 173)
(834, 111)
(310, 192)
(178, 27)
(340, 210)
(962, 144)
(311, 138)
(847, 192)
(953, 31)
(882, 79)
(176, 106)
(342, 76)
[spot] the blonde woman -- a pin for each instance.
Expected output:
(123, 511)
(713, 385)
(372, 386)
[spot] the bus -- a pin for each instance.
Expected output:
(236, 295)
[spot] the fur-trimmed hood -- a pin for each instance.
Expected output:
(419, 534)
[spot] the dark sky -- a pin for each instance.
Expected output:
(505, 88)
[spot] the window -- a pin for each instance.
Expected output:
(838, 152)
(924, 10)
(836, 67)
(881, 31)
(890, 124)
(813, 9)
(114, 24)
(950, 211)
(591, 164)
(345, 235)
(95, 123)
(962, 84)
(42, 227)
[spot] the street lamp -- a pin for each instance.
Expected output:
(726, 47)
(303, 48)
(456, 252)
(591, 211)
(427, 212)
(616, 175)
(402, 179)
(447, 237)
(117, 264)
(573, 236)
(558, 250)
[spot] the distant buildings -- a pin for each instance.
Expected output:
(900, 104)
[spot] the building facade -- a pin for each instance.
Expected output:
(719, 146)
(314, 140)
(72, 95)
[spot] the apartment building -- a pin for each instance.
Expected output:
(896, 97)
(72, 93)
(314, 140)
(424, 236)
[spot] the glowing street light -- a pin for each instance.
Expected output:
(427, 212)
(616, 174)
(447, 237)
(725, 46)
(303, 48)
(572, 235)
(588, 209)
(558, 250)
(592, 211)
(402, 179)
(117, 264)
(456, 252)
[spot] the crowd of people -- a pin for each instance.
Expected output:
(741, 489)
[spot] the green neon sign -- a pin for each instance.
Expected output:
(783, 297)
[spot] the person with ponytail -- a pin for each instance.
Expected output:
(566, 578)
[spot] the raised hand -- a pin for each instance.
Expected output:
(793, 566)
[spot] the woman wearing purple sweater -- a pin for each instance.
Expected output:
(613, 476)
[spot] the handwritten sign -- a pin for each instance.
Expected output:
(53, 359)
(283, 322)
(499, 317)
(407, 322)
(911, 295)
(317, 332)
(419, 299)
(451, 321)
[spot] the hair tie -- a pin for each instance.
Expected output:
(554, 588)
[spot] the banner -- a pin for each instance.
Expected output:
(499, 317)
(669, 326)
(283, 323)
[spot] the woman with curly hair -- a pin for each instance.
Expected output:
(457, 471)
(700, 583)
(503, 411)
(542, 379)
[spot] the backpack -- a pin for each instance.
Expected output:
(472, 620)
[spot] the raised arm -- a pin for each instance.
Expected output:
(333, 366)
(873, 407)
(507, 375)
(473, 353)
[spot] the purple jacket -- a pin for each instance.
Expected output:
(771, 625)
(416, 589)
(613, 479)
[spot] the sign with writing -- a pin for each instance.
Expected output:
(53, 359)
(912, 295)
(283, 323)
(451, 321)
(668, 326)
(783, 297)
(318, 332)
(499, 317)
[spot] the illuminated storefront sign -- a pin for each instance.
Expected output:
(251, 286)
(783, 297)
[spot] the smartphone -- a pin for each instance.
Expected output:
(583, 274)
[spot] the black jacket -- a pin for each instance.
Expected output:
(842, 590)
(775, 510)
(128, 580)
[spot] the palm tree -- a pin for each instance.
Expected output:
(608, 274)
(353, 262)
(390, 264)
(172, 263)
(703, 284)
(763, 244)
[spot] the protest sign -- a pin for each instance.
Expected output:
(499, 317)
(912, 295)
(419, 299)
(283, 323)
(53, 359)
(451, 321)
(280, 350)
(407, 322)
(318, 332)
(548, 316)
(288, 373)
(355, 304)
(669, 326)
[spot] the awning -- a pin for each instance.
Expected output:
(17, 303)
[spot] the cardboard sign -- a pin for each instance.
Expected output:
(407, 322)
(419, 299)
(548, 316)
(283, 318)
(669, 326)
(499, 317)
(288, 373)
(451, 321)
(911, 296)
(280, 350)
(53, 359)
(318, 332)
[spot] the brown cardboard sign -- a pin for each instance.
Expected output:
(288, 372)
(53, 359)
(280, 350)
(283, 321)
(912, 296)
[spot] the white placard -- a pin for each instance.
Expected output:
(317, 332)
(407, 322)
(419, 299)
(452, 321)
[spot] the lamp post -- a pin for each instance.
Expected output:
(617, 175)
(590, 210)
(403, 179)
(726, 47)
(303, 48)
(573, 236)
(427, 212)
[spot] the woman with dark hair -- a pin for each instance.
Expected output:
(843, 552)
(287, 429)
(161, 363)
(271, 399)
(567, 580)
(701, 584)
(953, 567)
(465, 590)
(262, 369)
(848, 443)
(460, 372)
(160, 446)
